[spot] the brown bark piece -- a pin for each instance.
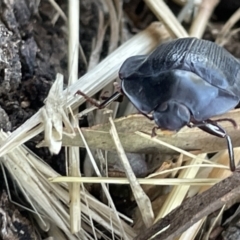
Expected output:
(189, 139)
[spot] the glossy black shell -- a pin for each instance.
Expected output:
(195, 73)
(209, 61)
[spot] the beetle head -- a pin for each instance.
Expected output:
(171, 115)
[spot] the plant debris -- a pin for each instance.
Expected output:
(83, 48)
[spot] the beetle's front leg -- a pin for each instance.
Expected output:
(194, 123)
(105, 103)
(213, 128)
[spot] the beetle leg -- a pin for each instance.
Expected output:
(230, 153)
(154, 134)
(213, 128)
(115, 96)
(89, 99)
(194, 123)
(117, 88)
(105, 103)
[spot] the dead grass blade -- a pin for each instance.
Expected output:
(141, 198)
(178, 193)
(163, 13)
(52, 202)
(163, 181)
(73, 155)
(200, 22)
(104, 187)
(58, 9)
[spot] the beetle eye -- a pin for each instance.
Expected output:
(163, 107)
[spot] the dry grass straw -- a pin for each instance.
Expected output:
(73, 155)
(142, 200)
(188, 8)
(58, 9)
(178, 193)
(147, 181)
(52, 202)
(104, 187)
(176, 148)
(200, 22)
(163, 13)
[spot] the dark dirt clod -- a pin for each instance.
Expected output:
(12, 224)
(10, 65)
(5, 124)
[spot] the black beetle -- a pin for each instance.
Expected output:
(183, 82)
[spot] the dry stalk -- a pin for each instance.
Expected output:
(201, 20)
(163, 13)
(64, 17)
(143, 202)
(189, 6)
(93, 61)
(97, 46)
(72, 155)
(58, 9)
(114, 26)
(104, 187)
(31, 174)
(178, 193)
(114, 180)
